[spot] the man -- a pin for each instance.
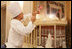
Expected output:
(18, 30)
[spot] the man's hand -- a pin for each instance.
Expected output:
(33, 18)
(26, 21)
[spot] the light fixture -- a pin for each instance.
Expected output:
(51, 16)
(37, 16)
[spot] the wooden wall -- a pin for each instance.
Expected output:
(68, 27)
(3, 25)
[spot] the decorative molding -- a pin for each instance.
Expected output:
(3, 4)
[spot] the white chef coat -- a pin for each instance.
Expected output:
(17, 32)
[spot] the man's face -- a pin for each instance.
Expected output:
(20, 16)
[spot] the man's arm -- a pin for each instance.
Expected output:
(21, 29)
